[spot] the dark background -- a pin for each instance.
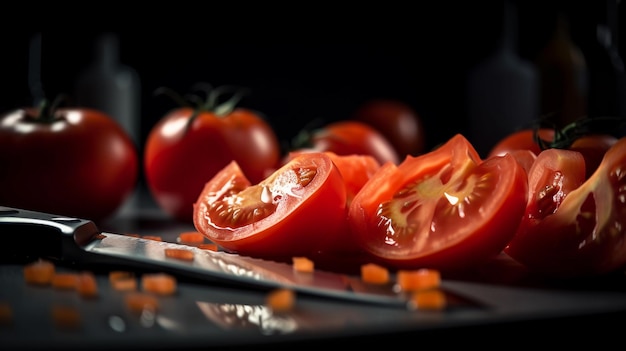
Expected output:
(304, 63)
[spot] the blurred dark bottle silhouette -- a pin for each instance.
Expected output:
(502, 91)
(562, 74)
(110, 86)
(114, 88)
(607, 78)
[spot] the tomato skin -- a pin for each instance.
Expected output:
(526, 158)
(418, 187)
(593, 147)
(523, 139)
(585, 235)
(346, 137)
(305, 223)
(179, 161)
(81, 164)
(397, 121)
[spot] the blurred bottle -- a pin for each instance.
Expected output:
(108, 85)
(607, 78)
(502, 90)
(114, 88)
(563, 76)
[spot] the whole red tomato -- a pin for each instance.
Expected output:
(299, 210)
(397, 121)
(574, 226)
(68, 161)
(446, 209)
(347, 137)
(189, 145)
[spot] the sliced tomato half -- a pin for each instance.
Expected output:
(298, 210)
(574, 228)
(446, 209)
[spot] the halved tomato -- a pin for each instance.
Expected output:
(446, 209)
(299, 210)
(569, 230)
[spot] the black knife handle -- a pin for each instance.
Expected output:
(27, 235)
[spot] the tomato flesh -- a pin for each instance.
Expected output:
(299, 210)
(446, 209)
(585, 235)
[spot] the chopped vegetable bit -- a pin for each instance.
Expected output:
(139, 301)
(208, 246)
(419, 279)
(67, 281)
(123, 280)
(100, 236)
(152, 237)
(432, 299)
(179, 254)
(374, 274)
(191, 237)
(87, 286)
(39, 272)
(66, 317)
(134, 235)
(303, 264)
(159, 283)
(281, 299)
(6, 313)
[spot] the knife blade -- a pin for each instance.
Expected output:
(79, 241)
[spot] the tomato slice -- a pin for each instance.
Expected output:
(356, 169)
(299, 210)
(585, 234)
(446, 209)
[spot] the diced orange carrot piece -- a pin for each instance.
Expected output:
(152, 237)
(139, 301)
(191, 237)
(6, 313)
(159, 283)
(87, 285)
(118, 275)
(66, 317)
(134, 235)
(126, 284)
(419, 279)
(208, 246)
(374, 274)
(65, 280)
(123, 280)
(431, 299)
(179, 254)
(303, 264)
(101, 236)
(281, 299)
(39, 272)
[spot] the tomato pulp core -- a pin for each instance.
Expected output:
(424, 206)
(239, 207)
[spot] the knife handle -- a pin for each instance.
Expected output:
(30, 234)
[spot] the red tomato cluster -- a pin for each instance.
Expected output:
(446, 209)
(220, 133)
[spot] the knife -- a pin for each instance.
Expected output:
(79, 242)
